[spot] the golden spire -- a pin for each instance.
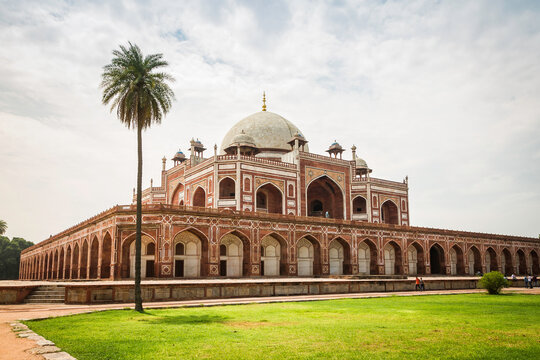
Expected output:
(264, 101)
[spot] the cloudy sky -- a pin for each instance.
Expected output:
(445, 92)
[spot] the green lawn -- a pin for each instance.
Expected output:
(475, 326)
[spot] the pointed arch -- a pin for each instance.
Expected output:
(457, 262)
(521, 262)
(75, 264)
(84, 259)
(390, 212)
(227, 188)
(269, 199)
(177, 194)
(190, 253)
(359, 208)
(148, 256)
(416, 259)
(199, 197)
(506, 262)
(106, 256)
(339, 255)
(533, 262)
(234, 254)
(54, 265)
(325, 196)
(61, 263)
(367, 258)
(308, 250)
(474, 261)
(392, 258)
(437, 259)
(274, 255)
(94, 257)
(69, 262)
(491, 260)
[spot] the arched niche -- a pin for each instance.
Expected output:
(437, 260)
(339, 257)
(227, 188)
(506, 262)
(148, 257)
(325, 199)
(521, 262)
(84, 259)
(178, 195)
(490, 259)
(392, 259)
(389, 213)
(94, 258)
(367, 258)
(75, 266)
(308, 256)
(273, 256)
(106, 255)
(231, 259)
(474, 261)
(415, 259)
(533, 262)
(359, 208)
(457, 263)
(269, 199)
(188, 249)
(199, 197)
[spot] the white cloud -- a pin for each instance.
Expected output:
(444, 92)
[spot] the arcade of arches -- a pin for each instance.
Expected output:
(191, 256)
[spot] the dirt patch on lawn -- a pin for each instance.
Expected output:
(255, 324)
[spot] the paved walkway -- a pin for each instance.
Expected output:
(14, 348)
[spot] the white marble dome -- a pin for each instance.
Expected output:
(270, 132)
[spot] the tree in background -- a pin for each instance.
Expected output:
(10, 256)
(141, 96)
(3, 227)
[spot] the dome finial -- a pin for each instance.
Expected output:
(264, 102)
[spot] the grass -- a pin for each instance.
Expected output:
(476, 326)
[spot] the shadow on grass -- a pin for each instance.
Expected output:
(190, 319)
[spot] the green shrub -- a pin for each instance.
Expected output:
(493, 282)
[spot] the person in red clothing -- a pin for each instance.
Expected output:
(417, 284)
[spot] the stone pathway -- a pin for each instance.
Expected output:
(43, 347)
(29, 345)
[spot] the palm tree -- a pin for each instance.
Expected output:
(3, 227)
(141, 97)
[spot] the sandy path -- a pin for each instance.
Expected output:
(13, 348)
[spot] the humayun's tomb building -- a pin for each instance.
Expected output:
(263, 205)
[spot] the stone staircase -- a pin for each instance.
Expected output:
(47, 294)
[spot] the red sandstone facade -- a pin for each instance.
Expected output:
(266, 206)
(97, 248)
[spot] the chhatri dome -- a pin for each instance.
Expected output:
(270, 132)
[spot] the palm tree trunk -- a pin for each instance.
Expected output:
(138, 298)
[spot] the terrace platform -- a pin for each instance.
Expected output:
(95, 292)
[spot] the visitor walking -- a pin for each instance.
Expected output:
(535, 280)
(526, 281)
(530, 281)
(417, 287)
(422, 286)
(327, 215)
